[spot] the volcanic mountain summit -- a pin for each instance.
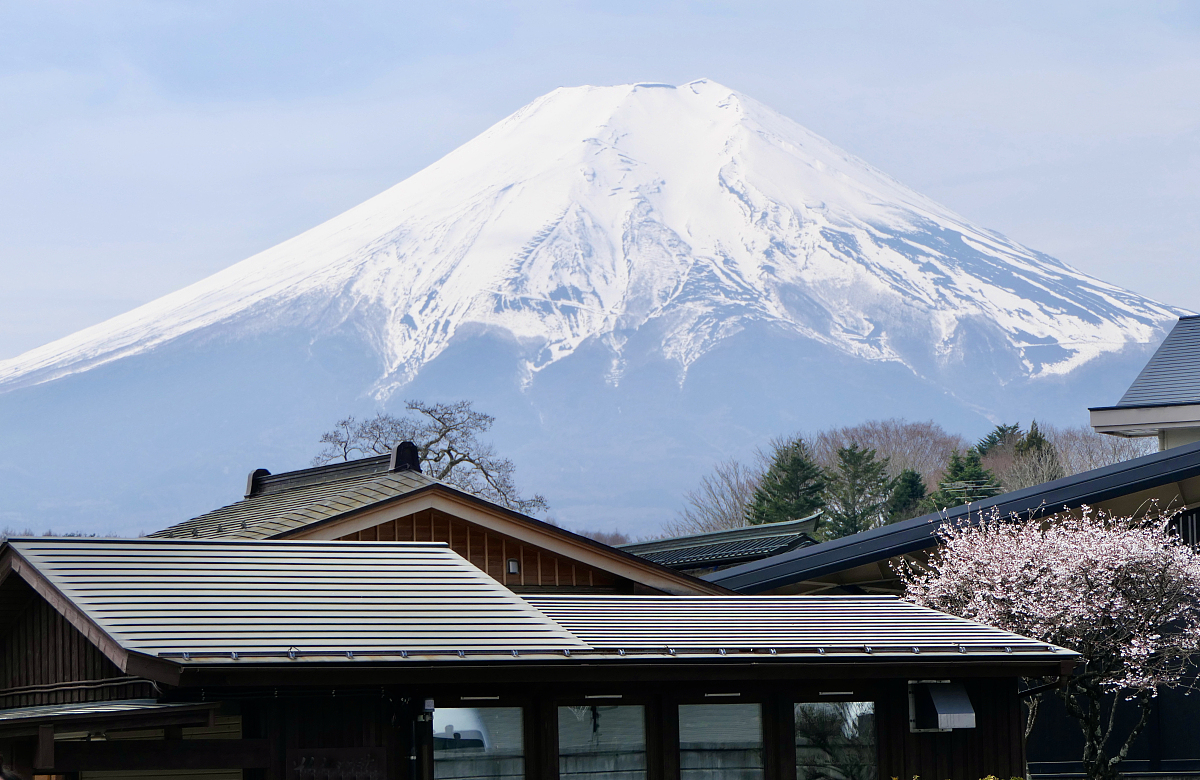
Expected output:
(683, 265)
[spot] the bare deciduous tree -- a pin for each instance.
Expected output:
(922, 446)
(719, 502)
(1082, 449)
(447, 439)
(611, 538)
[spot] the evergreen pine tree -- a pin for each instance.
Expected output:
(1036, 460)
(792, 488)
(908, 497)
(965, 482)
(858, 493)
(1034, 441)
(1000, 436)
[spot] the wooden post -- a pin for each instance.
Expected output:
(43, 757)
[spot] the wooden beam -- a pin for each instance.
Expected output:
(152, 668)
(124, 755)
(201, 715)
(43, 756)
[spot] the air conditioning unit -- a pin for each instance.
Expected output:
(938, 705)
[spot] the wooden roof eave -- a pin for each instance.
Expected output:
(128, 661)
(521, 527)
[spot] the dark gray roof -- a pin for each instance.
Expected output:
(284, 502)
(210, 598)
(820, 626)
(1173, 374)
(735, 545)
(1089, 487)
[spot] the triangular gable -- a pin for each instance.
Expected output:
(221, 600)
(50, 652)
(366, 500)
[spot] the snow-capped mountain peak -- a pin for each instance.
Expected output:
(594, 213)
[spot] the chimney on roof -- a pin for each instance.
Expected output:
(252, 480)
(405, 457)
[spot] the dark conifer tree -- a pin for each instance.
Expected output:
(908, 497)
(792, 488)
(965, 482)
(1000, 436)
(858, 493)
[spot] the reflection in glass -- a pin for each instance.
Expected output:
(720, 742)
(602, 741)
(835, 741)
(478, 743)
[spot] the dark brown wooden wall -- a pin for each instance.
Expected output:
(45, 660)
(993, 747)
(540, 569)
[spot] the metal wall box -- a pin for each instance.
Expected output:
(938, 705)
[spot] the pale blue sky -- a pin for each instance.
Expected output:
(144, 145)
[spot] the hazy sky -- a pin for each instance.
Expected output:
(145, 145)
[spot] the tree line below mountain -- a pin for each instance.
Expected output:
(884, 471)
(857, 477)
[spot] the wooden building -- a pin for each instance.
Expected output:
(867, 563)
(277, 659)
(387, 498)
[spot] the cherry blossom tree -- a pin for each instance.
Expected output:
(1122, 592)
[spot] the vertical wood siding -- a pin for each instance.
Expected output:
(993, 747)
(490, 551)
(44, 660)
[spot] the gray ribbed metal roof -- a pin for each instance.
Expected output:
(726, 552)
(820, 625)
(84, 710)
(732, 546)
(227, 601)
(791, 528)
(1173, 374)
(217, 597)
(284, 502)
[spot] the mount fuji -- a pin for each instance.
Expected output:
(636, 280)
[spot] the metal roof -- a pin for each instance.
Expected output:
(211, 598)
(1172, 376)
(285, 502)
(289, 504)
(726, 552)
(88, 710)
(1089, 487)
(816, 625)
(765, 530)
(207, 602)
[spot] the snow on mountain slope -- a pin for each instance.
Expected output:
(593, 212)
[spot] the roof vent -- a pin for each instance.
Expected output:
(251, 481)
(405, 457)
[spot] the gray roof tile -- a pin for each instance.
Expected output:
(1173, 374)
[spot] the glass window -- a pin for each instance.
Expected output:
(602, 742)
(835, 741)
(487, 742)
(720, 742)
